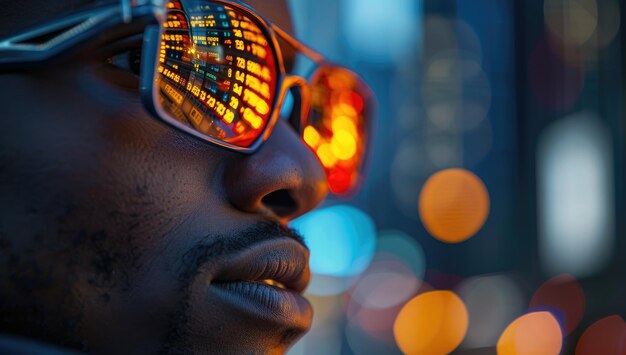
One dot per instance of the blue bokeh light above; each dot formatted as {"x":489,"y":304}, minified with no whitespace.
{"x":342,"y":240}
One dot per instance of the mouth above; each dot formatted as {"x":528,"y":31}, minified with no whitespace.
{"x":266,"y":283}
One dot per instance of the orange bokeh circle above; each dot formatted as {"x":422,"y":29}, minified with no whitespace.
{"x":454,"y":205}
{"x":532,"y":334}
{"x":432,"y":323}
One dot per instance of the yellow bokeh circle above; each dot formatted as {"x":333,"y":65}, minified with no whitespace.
{"x":537,"y":333}
{"x":454,"y":205}
{"x":431,"y":323}
{"x":343,"y":145}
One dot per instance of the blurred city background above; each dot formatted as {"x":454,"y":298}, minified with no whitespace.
{"x":493,"y":214}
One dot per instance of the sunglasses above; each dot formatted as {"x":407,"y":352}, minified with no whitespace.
{"x":215,"y":70}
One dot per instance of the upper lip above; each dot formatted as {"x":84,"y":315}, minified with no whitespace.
{"x":283,"y":260}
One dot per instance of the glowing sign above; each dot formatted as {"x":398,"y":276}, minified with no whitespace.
{"x":217,"y":71}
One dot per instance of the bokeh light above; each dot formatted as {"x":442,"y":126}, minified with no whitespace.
{"x":372,"y":305}
{"x":404,"y":247}
{"x":432,"y":323}
{"x":576,"y":200}
{"x":454,"y":205}
{"x":571,"y":21}
{"x":578,"y":29}
{"x":365,"y":22}
{"x":493,"y":302}
{"x":609,"y":21}
{"x":606,"y":336}
{"x":378,"y":323}
{"x":342,"y":240}
{"x":499,"y":90}
{"x":387,"y":283}
{"x":532,"y":334}
{"x":564,"y":297}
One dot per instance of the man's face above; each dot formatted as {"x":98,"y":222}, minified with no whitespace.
{"x":120,"y":234}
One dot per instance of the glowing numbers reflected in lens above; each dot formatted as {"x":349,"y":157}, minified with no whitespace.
{"x":533,"y":333}
{"x":454,"y":205}
{"x":217,"y":72}
{"x":339,"y":116}
{"x":432,"y":323}
{"x":342,"y":240}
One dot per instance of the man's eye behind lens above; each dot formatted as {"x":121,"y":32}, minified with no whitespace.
{"x":128,"y":60}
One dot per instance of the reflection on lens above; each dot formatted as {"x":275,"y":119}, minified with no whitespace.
{"x":216,"y":72}
{"x":336,"y":129}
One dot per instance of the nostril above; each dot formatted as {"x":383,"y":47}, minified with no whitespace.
{"x":280,"y":202}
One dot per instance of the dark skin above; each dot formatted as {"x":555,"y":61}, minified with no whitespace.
{"x":114,"y":225}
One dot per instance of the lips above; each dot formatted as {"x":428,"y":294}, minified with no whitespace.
{"x":266,"y":282}
{"x":283,"y":262}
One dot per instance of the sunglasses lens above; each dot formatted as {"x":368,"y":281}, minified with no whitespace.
{"x":337,"y":126}
{"x":216,"y":72}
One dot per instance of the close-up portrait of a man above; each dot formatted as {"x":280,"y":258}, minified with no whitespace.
{"x":306,"y":177}
{"x":147,"y":176}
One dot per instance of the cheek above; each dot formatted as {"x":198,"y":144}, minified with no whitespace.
{"x":119,"y":195}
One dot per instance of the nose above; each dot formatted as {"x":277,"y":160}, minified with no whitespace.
{"x":283,"y":179}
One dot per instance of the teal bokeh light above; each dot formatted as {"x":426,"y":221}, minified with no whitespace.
{"x":342,"y":240}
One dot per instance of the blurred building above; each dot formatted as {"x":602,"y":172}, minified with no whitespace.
{"x":523,"y":98}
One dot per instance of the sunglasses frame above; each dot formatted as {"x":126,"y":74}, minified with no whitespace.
{"x":26,"y":51}
{"x":90,"y":29}
{"x":284,"y":82}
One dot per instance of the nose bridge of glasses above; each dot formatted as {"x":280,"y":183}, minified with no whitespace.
{"x":299,"y":88}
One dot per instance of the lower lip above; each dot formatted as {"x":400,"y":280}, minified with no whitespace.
{"x":265,"y":302}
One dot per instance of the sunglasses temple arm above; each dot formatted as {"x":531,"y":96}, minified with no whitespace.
{"x":299,"y":46}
